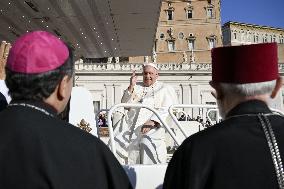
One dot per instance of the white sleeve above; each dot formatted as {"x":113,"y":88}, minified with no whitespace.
{"x":170,"y":98}
{"x":5,"y":91}
{"x":126,"y":98}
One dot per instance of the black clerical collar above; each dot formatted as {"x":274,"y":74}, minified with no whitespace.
{"x":249,"y":107}
{"x":37,"y":105}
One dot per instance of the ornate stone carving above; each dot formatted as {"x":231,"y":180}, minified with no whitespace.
{"x":116,"y":59}
{"x":184,"y":57}
{"x":154,"y":56}
{"x":108,"y":67}
{"x":109,"y":59}
{"x":84,"y":126}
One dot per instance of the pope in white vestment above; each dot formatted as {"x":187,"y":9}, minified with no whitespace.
{"x":140,"y":136}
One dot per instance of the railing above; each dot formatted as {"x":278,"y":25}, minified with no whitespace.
{"x":126,"y":105}
{"x":170,"y":110}
{"x":210,"y":109}
{"x":93,"y":67}
{"x":126,"y":66}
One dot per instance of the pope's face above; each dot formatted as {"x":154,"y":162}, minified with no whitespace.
{"x":150,"y":75}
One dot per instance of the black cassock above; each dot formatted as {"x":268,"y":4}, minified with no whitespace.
{"x":233,"y":154}
{"x":3,"y":102}
{"x":41,"y":151}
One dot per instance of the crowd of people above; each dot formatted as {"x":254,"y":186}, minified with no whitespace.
{"x":39,"y":150}
{"x":102,"y":121}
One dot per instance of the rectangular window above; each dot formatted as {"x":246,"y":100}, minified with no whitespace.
{"x":189,"y":14}
{"x":190,"y":44}
{"x":211,"y":43}
{"x":235,"y":35}
{"x":264,"y":39}
{"x":209,"y":13}
{"x":243,"y":36}
{"x":171,"y":46}
{"x":255,"y":39}
{"x":281,"y":40}
{"x":170,"y":14}
{"x":96,"y":106}
{"x":248,"y":37}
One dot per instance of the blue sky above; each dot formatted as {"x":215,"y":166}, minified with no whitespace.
{"x":260,"y":12}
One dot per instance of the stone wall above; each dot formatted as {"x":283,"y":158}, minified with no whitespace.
{"x":200,"y":27}
{"x":235,"y":33}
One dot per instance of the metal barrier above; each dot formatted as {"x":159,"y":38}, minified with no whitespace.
{"x":126,"y":105}
{"x":170,"y":110}
{"x":211,"y":108}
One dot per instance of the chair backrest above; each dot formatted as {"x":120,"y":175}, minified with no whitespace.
{"x":81,"y":107}
{"x":146,"y":176}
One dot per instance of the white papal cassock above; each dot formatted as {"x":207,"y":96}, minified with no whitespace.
{"x":133,"y":147}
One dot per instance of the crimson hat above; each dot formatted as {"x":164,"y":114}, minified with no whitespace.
{"x":245,"y":64}
{"x":37,"y":52}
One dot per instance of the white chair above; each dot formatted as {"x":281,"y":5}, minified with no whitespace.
{"x":146,"y":176}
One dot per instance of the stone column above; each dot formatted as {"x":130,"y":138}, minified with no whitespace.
{"x":116,"y":59}
{"x":117,"y":93}
{"x":195,"y":98}
{"x":186,"y":97}
{"x":109,"y":59}
{"x":146,"y":59}
{"x":109,"y":95}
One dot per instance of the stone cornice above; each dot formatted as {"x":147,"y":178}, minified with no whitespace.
{"x":251,"y":25}
{"x":164,"y":68}
{"x":129,"y":67}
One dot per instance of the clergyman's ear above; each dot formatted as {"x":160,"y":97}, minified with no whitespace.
{"x":62,"y":88}
{"x":217,"y":93}
{"x":278,"y":85}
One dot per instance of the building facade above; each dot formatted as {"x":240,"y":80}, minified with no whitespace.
{"x":235,"y":33}
{"x":107,"y":82}
{"x":187,"y":31}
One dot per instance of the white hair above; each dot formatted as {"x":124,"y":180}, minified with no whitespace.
{"x":248,"y":89}
{"x":151,"y":64}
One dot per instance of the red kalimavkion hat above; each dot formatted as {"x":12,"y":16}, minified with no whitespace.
{"x":37,"y":52}
{"x":245,"y":64}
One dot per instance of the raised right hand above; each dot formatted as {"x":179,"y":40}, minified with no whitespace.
{"x":133,"y":80}
{"x":4,"y":51}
